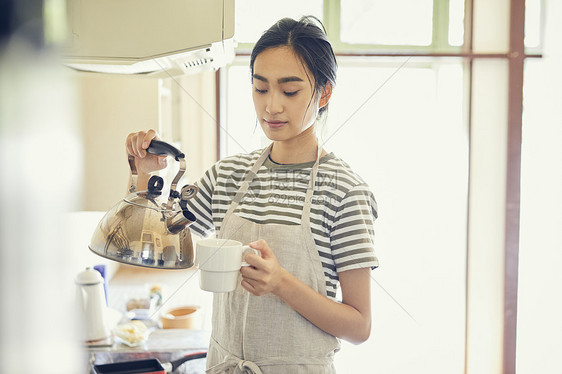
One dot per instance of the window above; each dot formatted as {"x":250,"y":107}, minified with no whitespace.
{"x":540,"y":258}
{"x":409,"y":115}
{"x":387,"y":22}
{"x":405,"y":107}
{"x":534,"y":22}
{"x":357,"y":26}
{"x":254,"y":16}
{"x":418,"y":292}
{"x":456,"y":22}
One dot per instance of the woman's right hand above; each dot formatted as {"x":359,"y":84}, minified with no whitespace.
{"x":136,"y":144}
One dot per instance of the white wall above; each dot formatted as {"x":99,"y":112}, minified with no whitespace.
{"x":111,"y":107}
{"x":181,"y":109}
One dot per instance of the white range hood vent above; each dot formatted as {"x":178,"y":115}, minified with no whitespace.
{"x":150,"y":38}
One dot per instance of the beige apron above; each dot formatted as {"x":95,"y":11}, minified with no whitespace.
{"x":262,"y":334}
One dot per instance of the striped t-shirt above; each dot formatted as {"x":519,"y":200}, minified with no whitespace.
{"x":342,"y":213}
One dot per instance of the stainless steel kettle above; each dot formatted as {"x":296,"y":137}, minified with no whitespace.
{"x":145,"y":228}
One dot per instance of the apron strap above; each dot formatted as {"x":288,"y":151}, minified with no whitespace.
{"x":305,"y":220}
{"x":249,"y":177}
{"x":254,"y":171}
{"x":241,"y":366}
{"x":245,"y":366}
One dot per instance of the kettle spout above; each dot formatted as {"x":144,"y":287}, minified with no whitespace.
{"x":180,"y":221}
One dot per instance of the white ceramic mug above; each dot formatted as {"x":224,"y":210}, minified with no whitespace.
{"x":219,"y":262}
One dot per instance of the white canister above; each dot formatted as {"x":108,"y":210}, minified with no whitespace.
{"x":92,"y":307}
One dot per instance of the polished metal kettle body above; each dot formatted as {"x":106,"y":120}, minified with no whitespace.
{"x":145,"y":228}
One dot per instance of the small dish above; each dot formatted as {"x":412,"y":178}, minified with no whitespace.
{"x":183,"y":317}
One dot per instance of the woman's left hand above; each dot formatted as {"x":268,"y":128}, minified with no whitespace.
{"x":264,"y":275}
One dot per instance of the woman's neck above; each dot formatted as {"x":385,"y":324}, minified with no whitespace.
{"x":297,"y":150}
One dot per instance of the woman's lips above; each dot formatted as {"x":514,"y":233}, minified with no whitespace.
{"x":274,"y":123}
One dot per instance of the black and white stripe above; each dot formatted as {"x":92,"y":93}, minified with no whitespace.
{"x":341,"y":218}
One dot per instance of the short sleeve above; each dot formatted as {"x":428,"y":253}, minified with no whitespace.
{"x":352,"y":235}
{"x":201,"y":204}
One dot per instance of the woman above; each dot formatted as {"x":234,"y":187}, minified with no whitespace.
{"x":309,"y":215}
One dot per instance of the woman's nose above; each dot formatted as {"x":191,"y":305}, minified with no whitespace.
{"x":273,"y":105}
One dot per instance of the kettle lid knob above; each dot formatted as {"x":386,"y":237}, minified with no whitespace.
{"x":155,"y":185}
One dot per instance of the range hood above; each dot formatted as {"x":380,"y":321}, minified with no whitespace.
{"x":153,"y":38}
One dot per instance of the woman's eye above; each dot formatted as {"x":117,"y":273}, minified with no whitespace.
{"x":260,"y":91}
{"x":293,"y":93}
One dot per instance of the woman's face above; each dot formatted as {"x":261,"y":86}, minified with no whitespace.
{"x":282,"y":93}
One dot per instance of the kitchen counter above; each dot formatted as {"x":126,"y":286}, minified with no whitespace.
{"x":165,"y":345}
{"x":180,"y":287}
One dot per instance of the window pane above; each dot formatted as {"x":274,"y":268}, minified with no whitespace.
{"x":415,"y":158}
{"x":456,"y":22}
{"x":533,"y":23}
{"x":253,"y":17}
{"x":539,"y":305}
{"x":417,"y":166}
{"x":397,"y":22}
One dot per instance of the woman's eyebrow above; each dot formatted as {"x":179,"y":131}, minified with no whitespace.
{"x":280,"y":80}
{"x":289,"y":79}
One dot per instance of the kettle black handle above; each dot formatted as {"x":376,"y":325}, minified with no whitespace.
{"x":160,"y":148}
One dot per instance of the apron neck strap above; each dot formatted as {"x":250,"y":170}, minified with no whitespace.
{"x":253,"y":172}
{"x":310,"y":190}
{"x":248,"y":179}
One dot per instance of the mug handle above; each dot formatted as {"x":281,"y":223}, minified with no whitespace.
{"x":245,"y":250}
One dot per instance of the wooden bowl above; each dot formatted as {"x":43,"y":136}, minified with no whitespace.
{"x":180,"y":318}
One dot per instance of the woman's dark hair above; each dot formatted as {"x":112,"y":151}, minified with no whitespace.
{"x":307,"y":37}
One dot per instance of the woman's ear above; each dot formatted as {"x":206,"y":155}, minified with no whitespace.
{"x":326,"y":94}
